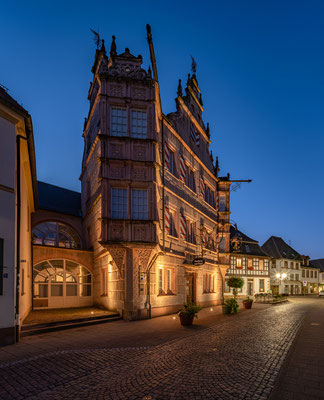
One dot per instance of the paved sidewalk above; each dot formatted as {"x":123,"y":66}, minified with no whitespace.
{"x":63,"y":314}
{"x":119,"y":334}
{"x":302,"y":375}
{"x":235,"y":358}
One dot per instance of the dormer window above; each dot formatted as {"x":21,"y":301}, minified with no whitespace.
{"x":118,"y":122}
{"x":139,"y":124}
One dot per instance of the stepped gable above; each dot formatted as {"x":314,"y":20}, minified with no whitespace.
{"x":188,"y":119}
{"x":124,"y":65}
{"x":276,"y":247}
{"x":248,"y":246}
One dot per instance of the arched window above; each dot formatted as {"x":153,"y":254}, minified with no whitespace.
{"x":56,"y":234}
{"x":58,"y":278}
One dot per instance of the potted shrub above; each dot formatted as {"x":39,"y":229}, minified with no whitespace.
{"x":188,"y":313}
{"x":227,"y":309}
{"x":248,"y":303}
{"x":235,"y":282}
{"x":230,"y":306}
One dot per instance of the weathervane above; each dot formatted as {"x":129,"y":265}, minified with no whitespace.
{"x":96,"y":38}
{"x":193,"y":65}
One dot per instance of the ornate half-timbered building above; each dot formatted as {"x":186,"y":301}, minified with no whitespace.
{"x":250,"y":262}
{"x":155,"y":212}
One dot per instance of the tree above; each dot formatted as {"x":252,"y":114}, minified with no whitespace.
{"x":235,"y":282}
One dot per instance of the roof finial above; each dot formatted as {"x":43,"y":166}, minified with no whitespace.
{"x":179,"y":92}
{"x":96,"y":38}
{"x":217,"y":167}
{"x":103,"y":49}
{"x":113,"y":47}
{"x":149,"y":71}
{"x":188,"y":80}
{"x":207,"y":130}
{"x":193,"y":65}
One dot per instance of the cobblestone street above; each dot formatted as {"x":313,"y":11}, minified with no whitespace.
{"x":239,"y":357}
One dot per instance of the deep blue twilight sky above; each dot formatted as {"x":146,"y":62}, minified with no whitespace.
{"x":260,"y":69}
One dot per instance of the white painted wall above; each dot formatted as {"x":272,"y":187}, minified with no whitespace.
{"x":7,"y":219}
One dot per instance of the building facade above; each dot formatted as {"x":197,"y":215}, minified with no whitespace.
{"x":150,"y":230}
{"x":290,"y":272}
{"x":310,"y":276}
{"x":18,"y":196}
{"x":150,"y":193}
{"x":319,"y":264}
{"x":249,"y":262}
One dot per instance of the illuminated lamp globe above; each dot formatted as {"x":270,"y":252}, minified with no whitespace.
{"x":278,"y":275}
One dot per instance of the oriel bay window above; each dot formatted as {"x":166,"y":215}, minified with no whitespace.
{"x":118,"y":121}
{"x":119,"y":124}
{"x":138,"y":204}
{"x":138,"y":124}
{"x":119,"y":203}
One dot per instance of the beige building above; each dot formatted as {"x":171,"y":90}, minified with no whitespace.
{"x":290,"y":272}
{"x":310,"y":276}
{"x":18,"y":194}
{"x":319,"y":264}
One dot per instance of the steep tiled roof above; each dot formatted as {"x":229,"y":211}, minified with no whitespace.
{"x":58,"y":199}
{"x":248,"y":246}
{"x":276,"y":247}
{"x":319,"y":263}
{"x":9,"y":101}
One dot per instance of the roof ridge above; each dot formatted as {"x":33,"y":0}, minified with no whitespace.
{"x":272,"y":237}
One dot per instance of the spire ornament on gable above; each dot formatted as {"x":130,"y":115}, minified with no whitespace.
{"x":193,"y":65}
{"x":208,"y":131}
{"x":113,"y":47}
{"x":103,"y":49}
{"x":217,"y":169}
{"x":179,"y":92}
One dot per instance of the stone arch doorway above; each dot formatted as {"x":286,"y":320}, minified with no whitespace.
{"x":61,"y":283}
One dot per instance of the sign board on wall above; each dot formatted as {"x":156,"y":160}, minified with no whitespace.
{"x":198,"y":261}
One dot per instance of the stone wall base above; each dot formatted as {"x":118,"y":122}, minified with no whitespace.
{"x":210,"y":303}
{"x":7,"y":336}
